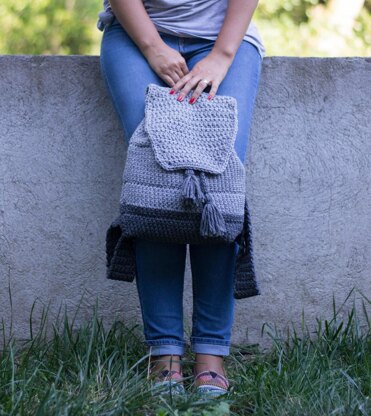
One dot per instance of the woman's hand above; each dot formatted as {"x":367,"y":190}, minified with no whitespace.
{"x":167,"y":62}
{"x":213,"y":68}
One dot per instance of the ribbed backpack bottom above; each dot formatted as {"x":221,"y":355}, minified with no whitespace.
{"x":120,"y":253}
{"x":172,"y":226}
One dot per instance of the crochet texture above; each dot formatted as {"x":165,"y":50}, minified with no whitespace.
{"x":184,"y":183}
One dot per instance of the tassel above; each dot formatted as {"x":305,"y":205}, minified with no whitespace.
{"x":191,"y":191}
{"x":212,"y":221}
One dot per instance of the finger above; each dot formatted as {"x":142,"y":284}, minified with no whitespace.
{"x":181,"y":82}
{"x":174,"y":76}
{"x":213,"y":90}
{"x":184,"y":68}
{"x":188,"y":86}
{"x":201,"y":86}
{"x":168,"y":80}
{"x":179,"y":74}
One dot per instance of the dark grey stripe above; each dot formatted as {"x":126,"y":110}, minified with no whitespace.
{"x":176,"y":215}
{"x":173,"y":226}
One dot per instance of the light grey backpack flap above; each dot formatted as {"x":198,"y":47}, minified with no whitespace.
{"x":197,"y":136}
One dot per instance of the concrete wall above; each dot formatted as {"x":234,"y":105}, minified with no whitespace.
{"x":61,"y":158}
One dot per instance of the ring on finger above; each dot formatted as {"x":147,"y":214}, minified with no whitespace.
{"x":206,"y":81}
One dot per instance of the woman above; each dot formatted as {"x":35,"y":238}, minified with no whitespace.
{"x":192,"y":46}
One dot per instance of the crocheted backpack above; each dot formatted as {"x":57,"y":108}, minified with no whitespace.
{"x":183,"y":180}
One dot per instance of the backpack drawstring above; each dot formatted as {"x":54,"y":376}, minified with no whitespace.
{"x":191,"y":190}
{"x":212,"y":221}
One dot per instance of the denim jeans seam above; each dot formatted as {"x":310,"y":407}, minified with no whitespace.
{"x":194,"y":311}
{"x":209,"y":341}
{"x":255,"y":89}
{"x":258,"y":76}
{"x":145,"y":327}
{"x":165,"y":342}
{"x":112,"y":96}
{"x":167,"y":349}
{"x":210,"y":349}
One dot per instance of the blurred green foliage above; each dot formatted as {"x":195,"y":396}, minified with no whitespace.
{"x":288,"y":27}
{"x":48,"y":27}
{"x":315,"y":27}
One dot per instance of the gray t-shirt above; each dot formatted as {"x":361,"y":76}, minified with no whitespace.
{"x":187,"y":18}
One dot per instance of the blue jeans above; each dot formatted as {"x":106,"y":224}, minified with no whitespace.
{"x":160,"y":266}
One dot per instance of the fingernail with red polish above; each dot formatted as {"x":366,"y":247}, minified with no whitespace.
{"x":172,"y":91}
{"x":180,"y":98}
{"x":192,"y":100}
{"x":209,"y":97}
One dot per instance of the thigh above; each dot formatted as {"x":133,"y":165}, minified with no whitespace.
{"x":241,"y":82}
{"x":126,"y":74}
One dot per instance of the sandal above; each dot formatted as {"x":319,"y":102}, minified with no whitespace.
{"x":172,"y":379}
{"x":210,"y":383}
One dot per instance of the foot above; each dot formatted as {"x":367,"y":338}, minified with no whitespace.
{"x":210,"y":378}
{"x":210,"y":383}
{"x":165,"y":362}
{"x":205,"y":362}
{"x":169,"y":382}
{"x":167,"y":372}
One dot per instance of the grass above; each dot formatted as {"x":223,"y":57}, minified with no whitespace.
{"x":94,"y":370}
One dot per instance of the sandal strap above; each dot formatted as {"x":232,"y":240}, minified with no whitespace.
{"x":212,"y":378}
{"x":169,"y":375}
